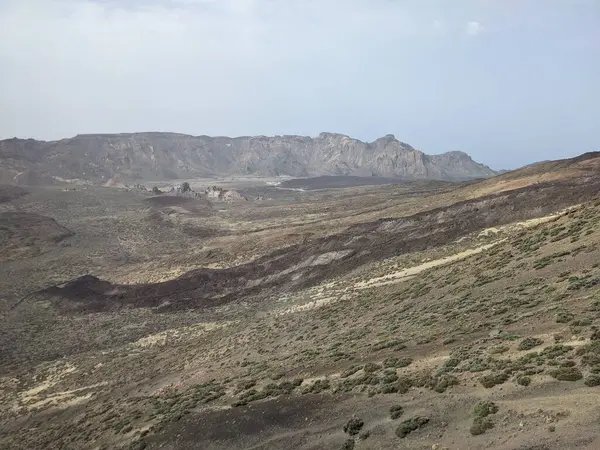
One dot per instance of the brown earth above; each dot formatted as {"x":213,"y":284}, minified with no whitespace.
{"x":258,"y":330}
{"x":9,"y":192}
{"x":24,"y":234}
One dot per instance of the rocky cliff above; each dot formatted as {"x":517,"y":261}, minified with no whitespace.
{"x":99,"y":158}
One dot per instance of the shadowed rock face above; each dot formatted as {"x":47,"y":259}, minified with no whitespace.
{"x":102,"y":157}
{"x":24,"y":234}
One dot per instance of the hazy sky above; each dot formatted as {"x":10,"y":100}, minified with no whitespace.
{"x":507,"y":81}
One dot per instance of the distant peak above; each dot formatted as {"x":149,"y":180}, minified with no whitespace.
{"x":391,"y":139}
{"x":130,"y":135}
{"x":458,"y":153}
{"x":326,"y":134}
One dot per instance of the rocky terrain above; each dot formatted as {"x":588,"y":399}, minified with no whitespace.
{"x":114,"y":159}
{"x":417,"y":315}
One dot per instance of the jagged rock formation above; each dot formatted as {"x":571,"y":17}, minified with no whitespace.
{"x":225,"y":195}
{"x":159,"y":156}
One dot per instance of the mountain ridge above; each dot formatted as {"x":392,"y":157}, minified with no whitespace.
{"x":99,"y":158}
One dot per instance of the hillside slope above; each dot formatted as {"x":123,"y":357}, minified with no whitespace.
{"x":159,"y":156}
{"x":497,"y":350}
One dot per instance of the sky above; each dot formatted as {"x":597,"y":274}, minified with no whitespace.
{"x":508,"y":81}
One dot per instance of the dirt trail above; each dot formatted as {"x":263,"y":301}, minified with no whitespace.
{"x":324,"y":298}
{"x":404,"y":274}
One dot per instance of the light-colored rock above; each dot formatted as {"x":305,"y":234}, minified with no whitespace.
{"x":161,"y":156}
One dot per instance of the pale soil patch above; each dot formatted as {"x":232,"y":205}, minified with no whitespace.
{"x":54,"y":375}
{"x":161,"y":339}
{"x":306,"y":306}
{"x":66,"y":399}
{"x":36,"y":396}
{"x":60,"y":401}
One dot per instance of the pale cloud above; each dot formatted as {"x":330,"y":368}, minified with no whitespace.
{"x":474,"y":28}
{"x":361,"y":67}
{"x":126,"y":64}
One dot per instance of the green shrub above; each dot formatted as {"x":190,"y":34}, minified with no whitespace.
{"x":584,"y":322}
{"x":401,"y":386}
{"x":485,"y":408}
{"x":592,"y":380}
{"x":410,"y":425}
{"x":396,"y":411}
{"x":251,"y":396}
{"x":564,"y":317}
{"x":478,"y":365}
{"x":481,"y":425}
{"x":402,"y":361}
{"x":529,"y":343}
{"x":353,"y":426}
{"x":566,"y":374}
{"x":317,"y":387}
{"x":350,"y":371}
{"x":498,"y":349}
{"x":391,"y":388}
{"x":556,"y":350}
{"x":245,"y":385}
{"x":444,"y":382}
{"x":371,"y":367}
{"x":348,"y":444}
{"x":523,"y":380}
{"x":493,"y":379}
{"x":395,"y":344}
{"x":389,"y":378}
{"x":452,"y":362}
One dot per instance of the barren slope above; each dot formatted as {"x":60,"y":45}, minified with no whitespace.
{"x":512,"y":324}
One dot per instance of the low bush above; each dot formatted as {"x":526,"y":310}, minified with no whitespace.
{"x":529,"y":343}
{"x":485,"y":408}
{"x":481,"y":425}
{"x":353,"y":426}
{"x":402,"y":361}
{"x":567,"y":374}
{"x":493,"y":379}
{"x":348,"y":444}
{"x":371,"y":367}
{"x":317,"y":387}
{"x":396,"y":411}
{"x":592,"y":380}
{"x":410,"y":425}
